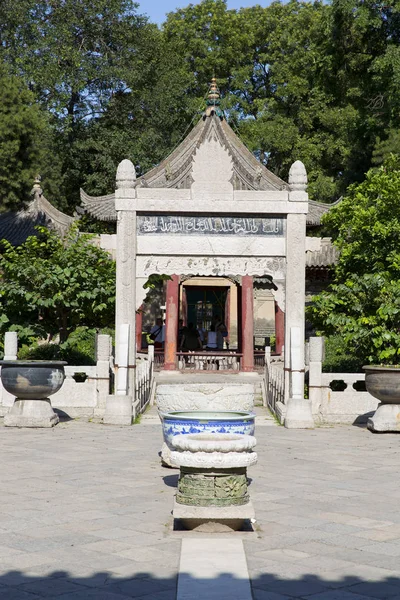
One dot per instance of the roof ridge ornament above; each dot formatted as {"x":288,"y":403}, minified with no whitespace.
{"x":213,"y":101}
{"x":36,"y":190}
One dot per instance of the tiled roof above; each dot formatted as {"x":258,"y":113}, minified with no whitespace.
{"x":325,"y":255}
{"x":16,"y":227}
{"x":316,"y":210}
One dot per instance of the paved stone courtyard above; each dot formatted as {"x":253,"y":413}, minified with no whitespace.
{"x":86,"y":514}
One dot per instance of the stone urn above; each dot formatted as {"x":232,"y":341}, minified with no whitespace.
{"x":32,"y":382}
{"x":202,"y":421}
{"x":383,"y":382}
{"x":212,"y":484}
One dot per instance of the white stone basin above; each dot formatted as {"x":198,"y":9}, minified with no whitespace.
{"x":205,"y":396}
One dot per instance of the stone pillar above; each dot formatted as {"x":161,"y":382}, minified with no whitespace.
{"x":279,"y":329}
{"x":171,"y":325}
{"x":139,"y":327}
{"x":125,"y":310}
{"x":295,"y":269}
{"x":247,"y":323}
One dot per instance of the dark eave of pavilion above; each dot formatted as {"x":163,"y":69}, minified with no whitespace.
{"x":16,"y":227}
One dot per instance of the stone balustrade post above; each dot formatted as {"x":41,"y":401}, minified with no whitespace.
{"x":316,"y":353}
{"x":10,"y":345}
{"x":298,"y":413}
{"x":150,"y":353}
{"x":102,"y":370}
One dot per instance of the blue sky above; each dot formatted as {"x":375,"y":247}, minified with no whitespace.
{"x":157,"y":9}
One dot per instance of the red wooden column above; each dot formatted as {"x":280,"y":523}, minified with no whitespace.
{"x":139,"y":327}
{"x":279,"y":329}
{"x":171,"y":324}
{"x":247,"y":323}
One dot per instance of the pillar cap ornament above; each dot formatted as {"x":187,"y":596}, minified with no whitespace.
{"x":298,"y":177}
{"x":126,"y":175}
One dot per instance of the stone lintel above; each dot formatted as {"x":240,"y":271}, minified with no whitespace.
{"x":212,"y":206}
{"x":220,"y":245}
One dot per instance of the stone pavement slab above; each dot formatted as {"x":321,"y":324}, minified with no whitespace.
{"x":85,"y":512}
{"x":213,"y":568}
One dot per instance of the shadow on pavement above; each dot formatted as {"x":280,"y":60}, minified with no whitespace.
{"x":62,"y":585}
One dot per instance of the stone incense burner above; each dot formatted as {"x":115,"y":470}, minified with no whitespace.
{"x":383,"y":382}
{"x":32,"y":382}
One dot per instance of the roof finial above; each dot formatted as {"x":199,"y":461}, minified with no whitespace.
{"x":37,"y":187}
{"x":213,"y":101}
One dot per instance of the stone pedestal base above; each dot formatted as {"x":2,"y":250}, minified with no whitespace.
{"x":166,"y":459}
{"x":118,"y":410}
{"x":233,"y":517}
{"x":385,"y":418}
{"x":299,"y":414}
{"x":31,"y":413}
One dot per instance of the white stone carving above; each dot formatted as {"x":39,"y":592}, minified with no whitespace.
{"x":210,"y":460}
{"x":212,"y":171}
{"x":205,"y":396}
{"x":219,"y":450}
{"x":211,"y":265}
{"x":280,"y":294}
{"x":215,"y":442}
{"x":298,"y":177}
{"x":126,"y":174}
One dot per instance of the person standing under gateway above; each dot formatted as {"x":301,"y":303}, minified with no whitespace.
{"x":157,"y":334}
{"x":221,"y":331}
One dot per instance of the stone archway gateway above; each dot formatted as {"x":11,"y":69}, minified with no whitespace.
{"x":211,"y":209}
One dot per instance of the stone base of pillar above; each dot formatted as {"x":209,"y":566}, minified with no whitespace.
{"x":385,"y":418}
{"x":31,"y":413}
{"x":232,"y":517}
{"x":118,"y":410}
{"x":299,"y":414}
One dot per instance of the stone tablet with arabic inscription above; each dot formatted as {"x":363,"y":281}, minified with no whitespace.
{"x":176,"y":225}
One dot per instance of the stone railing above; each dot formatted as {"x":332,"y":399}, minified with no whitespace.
{"x":274,"y":385}
{"x":209,"y":361}
{"x":336,"y":397}
{"x":144,"y":382}
{"x":85,"y":388}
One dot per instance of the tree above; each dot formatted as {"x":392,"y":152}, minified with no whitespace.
{"x":59,"y":284}
{"x":363,"y":304}
{"x":75,"y":56}
{"x":21,"y":127}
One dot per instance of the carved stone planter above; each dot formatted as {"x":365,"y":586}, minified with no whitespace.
{"x":194,"y":421}
{"x":383,"y":382}
{"x":32,"y":382}
{"x":212,"y":485}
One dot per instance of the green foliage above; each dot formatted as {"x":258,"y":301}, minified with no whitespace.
{"x":363,"y":305}
{"x":79,"y":349}
{"x":337,"y":360}
{"x":75,"y":56}
{"x":21,"y":123}
{"x":61,"y":284}
{"x":313,"y":81}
